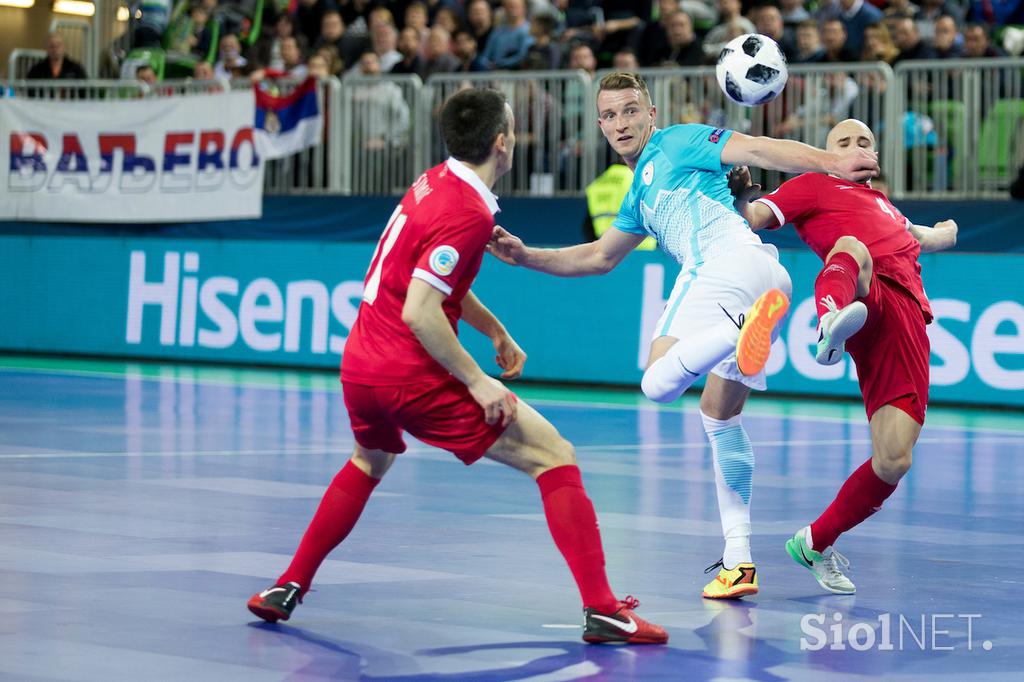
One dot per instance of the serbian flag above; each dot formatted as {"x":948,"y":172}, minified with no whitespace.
{"x":288,"y":124}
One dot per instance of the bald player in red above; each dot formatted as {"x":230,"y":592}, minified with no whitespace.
{"x":872,"y":303}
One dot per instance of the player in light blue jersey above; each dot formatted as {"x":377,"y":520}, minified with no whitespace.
{"x":680,"y":196}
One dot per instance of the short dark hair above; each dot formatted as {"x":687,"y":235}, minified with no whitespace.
{"x":546,"y":22}
{"x":471,"y":119}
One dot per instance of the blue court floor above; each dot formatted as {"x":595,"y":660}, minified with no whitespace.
{"x":141,"y":505}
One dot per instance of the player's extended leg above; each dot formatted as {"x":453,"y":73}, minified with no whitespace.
{"x":337,"y":514}
{"x":532,"y":445}
{"x":733,"y":459}
{"x":893,"y":435}
{"x":845,"y":277}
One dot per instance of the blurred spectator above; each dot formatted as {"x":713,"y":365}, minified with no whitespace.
{"x":900,"y":9}
{"x":997,"y":12}
{"x":332,"y":32}
{"x":945,"y":41}
{"x":448,"y":19}
{"x":57,"y":64}
{"x":268,"y":48}
{"x":383,"y":43}
{"x":978,"y":44}
{"x":545,"y":53}
{"x":823,"y":106}
{"x":878,"y":45}
{"x":230,"y":62}
{"x":580,"y":19}
{"x":626,"y":60}
{"x":203,"y":71}
{"x":581,"y":58}
{"x":355,"y":14}
{"x":381,"y":123}
{"x":856,"y":15}
{"x":793,"y":14}
{"x":146,"y":74}
{"x":654,"y":38}
{"x":467,"y":53}
{"x":309,"y":18}
{"x":189,"y":33}
{"x":153,"y":16}
{"x":416,"y":17}
{"x":480,"y":19}
{"x":409,"y":48}
{"x":809,"y":49}
{"x":622,"y":24}
{"x":1017,"y":188}
{"x":317,"y":67}
{"x":684,"y":46}
{"x":508,"y":43}
{"x":293,"y":62}
{"x":833,"y":37}
{"x":909,"y":41}
{"x":439,"y":57}
{"x":728,"y":11}
{"x":768,"y":21}
{"x":930,"y":12}
{"x":330,"y":55}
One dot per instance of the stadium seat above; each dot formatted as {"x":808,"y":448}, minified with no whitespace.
{"x":1001,"y":143}
{"x":153,"y":56}
{"x":949,"y":117}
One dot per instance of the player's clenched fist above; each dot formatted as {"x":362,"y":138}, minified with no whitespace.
{"x":498,"y":402}
{"x":506,"y":247}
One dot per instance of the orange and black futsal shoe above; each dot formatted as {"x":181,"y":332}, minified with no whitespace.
{"x":277,"y":602}
{"x":755,"y":342}
{"x":622,"y":626}
{"x":731,"y":583}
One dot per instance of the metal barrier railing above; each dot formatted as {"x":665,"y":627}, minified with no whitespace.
{"x":377,"y":143}
{"x":21,"y":60}
{"x":556,"y":133}
{"x":959,"y":127}
{"x":944,"y":128}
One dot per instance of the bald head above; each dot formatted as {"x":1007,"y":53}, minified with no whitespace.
{"x":848,"y":135}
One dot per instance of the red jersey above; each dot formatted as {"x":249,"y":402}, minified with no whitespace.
{"x":437,"y":233}
{"x":824,"y":208}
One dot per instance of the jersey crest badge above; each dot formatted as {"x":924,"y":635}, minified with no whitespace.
{"x":648,"y":173}
{"x":443,"y":260}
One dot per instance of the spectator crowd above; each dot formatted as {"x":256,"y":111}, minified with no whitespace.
{"x":335,"y":37}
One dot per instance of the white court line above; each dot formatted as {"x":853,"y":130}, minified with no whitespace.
{"x":751,"y":412}
{"x":416,"y":451}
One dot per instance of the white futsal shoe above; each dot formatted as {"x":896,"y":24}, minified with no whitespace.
{"x":835,"y":327}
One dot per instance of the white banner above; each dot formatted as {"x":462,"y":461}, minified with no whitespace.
{"x":190,"y":157}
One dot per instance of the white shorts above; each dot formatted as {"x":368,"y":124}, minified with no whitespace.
{"x":733,"y":282}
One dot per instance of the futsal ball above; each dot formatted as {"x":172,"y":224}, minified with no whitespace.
{"x":752,"y":69}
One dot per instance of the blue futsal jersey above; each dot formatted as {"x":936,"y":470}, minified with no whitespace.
{"x":680,"y":196}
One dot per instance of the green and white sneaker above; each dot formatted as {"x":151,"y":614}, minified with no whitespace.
{"x":827,"y":566}
{"x":835,"y":327}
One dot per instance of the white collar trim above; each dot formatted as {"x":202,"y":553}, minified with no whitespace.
{"x":463,"y":172}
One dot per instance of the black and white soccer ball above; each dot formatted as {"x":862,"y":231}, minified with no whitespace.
{"x":752,"y":69}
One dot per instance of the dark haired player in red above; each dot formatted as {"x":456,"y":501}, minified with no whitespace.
{"x":404,"y":370}
{"x":871,"y":301}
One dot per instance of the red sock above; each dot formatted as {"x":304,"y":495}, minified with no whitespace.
{"x":860,"y":497}
{"x":573,"y":525}
{"x":837,"y":279}
{"x":334,"y":519}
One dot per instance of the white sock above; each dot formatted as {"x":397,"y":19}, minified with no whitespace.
{"x":733,"y":458}
{"x":688,"y":360}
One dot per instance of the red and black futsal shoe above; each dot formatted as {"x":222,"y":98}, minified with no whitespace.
{"x":622,"y":626}
{"x":277,"y":602}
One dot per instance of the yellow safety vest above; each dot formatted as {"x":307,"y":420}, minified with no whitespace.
{"x":604,"y":197}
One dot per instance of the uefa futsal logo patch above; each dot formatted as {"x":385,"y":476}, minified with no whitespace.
{"x":716,"y":135}
{"x":443,"y":260}
{"x":648,"y":173}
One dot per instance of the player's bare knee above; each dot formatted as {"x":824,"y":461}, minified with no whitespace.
{"x":894,"y":465}
{"x":373,"y":463}
{"x":558,"y":453}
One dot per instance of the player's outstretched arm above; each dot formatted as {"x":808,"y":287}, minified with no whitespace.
{"x":940,"y":237}
{"x":790,"y":156}
{"x":424,"y":315}
{"x":592,"y":258}
{"x":745,"y":191}
{"x":509,"y":356}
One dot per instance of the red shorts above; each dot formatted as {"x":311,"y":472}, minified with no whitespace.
{"x":892,"y":351}
{"x":442,"y":414}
